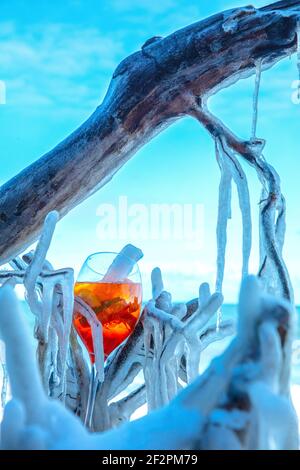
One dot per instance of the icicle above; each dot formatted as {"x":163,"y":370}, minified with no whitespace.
{"x":281,"y":225}
{"x":255,"y":99}
{"x":147,"y":368}
{"x":204,"y":295}
{"x":231,"y":169}
{"x":53,"y":341}
{"x":68,"y":306}
{"x":262,"y":251}
{"x":4,"y":385}
{"x":171,"y":371}
{"x":157,"y":283}
{"x":46,"y":311}
{"x":224,"y":213}
{"x":298,"y":56}
{"x":240,"y":180}
{"x":97,"y":335}
{"x":35,"y":268}
{"x":151,"y":367}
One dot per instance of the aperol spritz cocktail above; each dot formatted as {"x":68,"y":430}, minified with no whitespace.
{"x":117,"y":306}
{"x":109,"y":284}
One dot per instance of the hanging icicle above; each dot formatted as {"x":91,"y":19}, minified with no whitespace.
{"x":4,"y":385}
{"x":240,"y":179}
{"x":224,"y":213}
{"x":298,"y":56}
{"x":231,"y":170}
{"x":255,"y":99}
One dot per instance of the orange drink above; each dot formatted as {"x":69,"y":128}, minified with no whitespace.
{"x":116,"y":305}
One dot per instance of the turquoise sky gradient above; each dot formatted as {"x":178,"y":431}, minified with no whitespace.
{"x":57,"y":58}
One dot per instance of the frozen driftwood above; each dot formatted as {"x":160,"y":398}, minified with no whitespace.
{"x":148,"y":91}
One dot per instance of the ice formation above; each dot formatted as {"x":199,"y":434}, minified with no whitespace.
{"x":298,"y":56}
{"x":255,"y":99}
{"x":239,"y":402}
{"x":166,"y":344}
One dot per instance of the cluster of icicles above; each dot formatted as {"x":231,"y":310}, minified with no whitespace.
{"x":166,"y":346}
{"x":272,"y":268}
{"x":49,"y":294}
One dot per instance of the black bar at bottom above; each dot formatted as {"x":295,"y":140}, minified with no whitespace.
{"x":134,"y":459}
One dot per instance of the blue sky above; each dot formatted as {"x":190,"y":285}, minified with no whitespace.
{"x":57,"y":58}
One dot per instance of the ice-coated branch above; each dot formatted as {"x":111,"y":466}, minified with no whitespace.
{"x":163,"y":317}
{"x":173,"y":335}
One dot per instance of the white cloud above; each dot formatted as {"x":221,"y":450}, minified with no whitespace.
{"x":56,"y":63}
